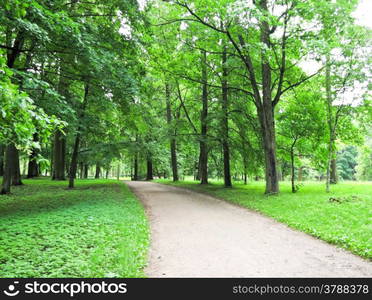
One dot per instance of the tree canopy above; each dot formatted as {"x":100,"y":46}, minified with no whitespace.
{"x":239,"y":90}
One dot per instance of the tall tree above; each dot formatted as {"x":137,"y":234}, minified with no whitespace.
{"x":225,"y":121}
{"x":173,"y":145}
{"x":203,"y":154}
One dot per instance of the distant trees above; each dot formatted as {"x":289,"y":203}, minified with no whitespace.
{"x":346,"y":163}
{"x":300,"y":127}
{"x":364,"y":158}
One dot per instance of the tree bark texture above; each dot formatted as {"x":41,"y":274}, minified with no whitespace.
{"x":203,"y":159}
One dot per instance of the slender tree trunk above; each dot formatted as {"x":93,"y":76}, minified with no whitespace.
{"x":86,"y":168}
{"x":245,"y":165}
{"x":75,"y":153}
{"x":149,"y":175}
{"x":73,"y":165}
{"x":280,"y":173}
{"x":333,"y":176}
{"x":33,"y":167}
{"x":173,"y":145}
{"x":330,"y":120}
{"x":292,"y":153}
{"x":98,"y":171}
{"x":81,"y":169}
{"x":118,"y":172}
{"x":59,"y":157}
{"x":203,"y":159}
{"x":10,"y":156}
{"x":292,"y":172}
{"x":25,"y":168}
{"x":60,"y":163}
{"x":2,"y":154}
{"x":135,"y":167}
{"x":225,"y":122}
{"x":328,"y":170}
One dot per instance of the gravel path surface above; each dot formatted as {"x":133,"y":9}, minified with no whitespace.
{"x":195,"y":235}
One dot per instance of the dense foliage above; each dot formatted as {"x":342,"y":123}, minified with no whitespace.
{"x":209,"y":89}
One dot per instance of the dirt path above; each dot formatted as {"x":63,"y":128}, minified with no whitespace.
{"x":194,"y":235}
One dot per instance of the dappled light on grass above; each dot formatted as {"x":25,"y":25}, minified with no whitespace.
{"x":96,"y":230}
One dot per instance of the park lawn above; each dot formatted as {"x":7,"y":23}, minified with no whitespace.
{"x":98,"y":229}
{"x":347,"y":224}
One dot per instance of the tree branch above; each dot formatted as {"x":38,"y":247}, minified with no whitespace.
{"x":301,"y":81}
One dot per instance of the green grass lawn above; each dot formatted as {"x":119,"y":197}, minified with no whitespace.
{"x":347,"y":224}
{"x":99,"y":229}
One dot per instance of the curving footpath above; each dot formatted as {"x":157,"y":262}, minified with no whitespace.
{"x":195,"y":235}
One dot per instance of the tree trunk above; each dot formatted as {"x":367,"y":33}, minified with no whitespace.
{"x":59,"y":157}
{"x":11,"y":169}
{"x":98,"y":171}
{"x":203,"y":159}
{"x":75,"y":153}
{"x":33,"y":167}
{"x":16,"y":178}
{"x":107,"y":173}
{"x":86,"y":168}
{"x":81,"y":169}
{"x":135,"y":175}
{"x":268,"y":141}
{"x":10,"y":155}
{"x":292,"y":172}
{"x":333,"y":175}
{"x":225,"y":122}
{"x":266,"y":112}
{"x":245,"y":165}
{"x":13,"y":54}
{"x":118,"y":172}
{"x":73,"y":165}
{"x":149,"y":175}
{"x":12,"y":172}
{"x":173,"y":145}
{"x":330,"y":120}
{"x":280,"y":173}
{"x":2,"y":154}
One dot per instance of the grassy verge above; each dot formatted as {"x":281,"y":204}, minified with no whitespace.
{"x":98,"y":229}
{"x":347,"y":224}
